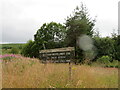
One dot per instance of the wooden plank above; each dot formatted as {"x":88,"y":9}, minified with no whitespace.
{"x":57,"y":54}
{"x":57,"y":50}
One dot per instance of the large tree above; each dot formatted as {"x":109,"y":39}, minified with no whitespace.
{"x":50,"y":35}
{"x":77,"y":24}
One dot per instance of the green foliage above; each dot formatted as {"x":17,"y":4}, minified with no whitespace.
{"x":105,"y":46}
{"x":107,"y":61}
{"x":30,"y":49}
{"x":14,"y":50}
{"x":55,"y":35}
{"x":116,"y":47}
{"x":4,"y":51}
{"x":50,"y":35}
{"x":10,"y":46}
{"x":79,"y":23}
{"x":108,"y":46}
{"x":114,"y":63}
{"x":27,"y":49}
{"x":104,"y":59}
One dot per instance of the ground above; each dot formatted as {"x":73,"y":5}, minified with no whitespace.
{"x":22,"y":72}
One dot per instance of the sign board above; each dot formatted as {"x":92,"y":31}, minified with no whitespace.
{"x":57,"y":55}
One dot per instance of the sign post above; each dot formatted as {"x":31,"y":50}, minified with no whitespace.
{"x":59,"y":55}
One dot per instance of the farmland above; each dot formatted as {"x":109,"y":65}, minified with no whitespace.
{"x":23,"y":72}
{"x":6,"y":48}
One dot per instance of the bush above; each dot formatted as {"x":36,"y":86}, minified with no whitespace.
{"x":114,"y":63}
{"x":14,"y":50}
{"x":104,"y":59}
{"x":30,"y":49}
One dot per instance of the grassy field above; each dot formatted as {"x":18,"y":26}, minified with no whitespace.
{"x":23,"y":72}
{"x":11,"y":45}
{"x":6,"y":48}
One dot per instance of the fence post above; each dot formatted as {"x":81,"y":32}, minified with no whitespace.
{"x":70,"y":71}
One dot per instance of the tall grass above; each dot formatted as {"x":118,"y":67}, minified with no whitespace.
{"x":30,"y":73}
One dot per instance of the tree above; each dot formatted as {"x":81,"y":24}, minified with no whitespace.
{"x":105,"y":46}
{"x":116,"y":39}
{"x":50,"y":35}
{"x":28,"y":50}
{"x":77,"y":24}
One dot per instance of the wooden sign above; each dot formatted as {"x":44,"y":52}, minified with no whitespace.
{"x":57,"y":55}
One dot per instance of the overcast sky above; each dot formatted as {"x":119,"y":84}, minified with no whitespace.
{"x":22,"y":18}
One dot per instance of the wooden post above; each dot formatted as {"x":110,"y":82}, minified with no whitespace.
{"x":70,"y":71}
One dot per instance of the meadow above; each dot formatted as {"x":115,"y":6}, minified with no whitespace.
{"x":23,"y":72}
{"x":7,"y":48}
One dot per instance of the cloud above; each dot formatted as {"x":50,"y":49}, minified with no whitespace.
{"x":22,"y":18}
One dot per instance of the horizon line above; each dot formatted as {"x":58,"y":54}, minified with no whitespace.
{"x":12,"y":42}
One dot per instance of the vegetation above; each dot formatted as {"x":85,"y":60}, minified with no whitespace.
{"x":24,"y":72}
{"x":11,"y":48}
{"x":105,"y":46}
{"x":30,"y":49}
{"x":50,"y":35}
{"x":14,"y":50}
{"x":97,"y":56}
{"x":78,"y":24}
{"x":55,"y":35}
{"x":106,"y":61}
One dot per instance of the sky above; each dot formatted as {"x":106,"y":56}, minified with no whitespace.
{"x":119,"y":18}
{"x":20,"y":19}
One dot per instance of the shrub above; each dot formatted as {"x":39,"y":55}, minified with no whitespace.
{"x":107,"y":61}
{"x":114,"y":63}
{"x":30,"y":49}
{"x":104,"y":59}
{"x":14,"y":50}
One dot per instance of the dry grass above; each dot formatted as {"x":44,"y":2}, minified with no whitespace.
{"x":29,"y":73}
